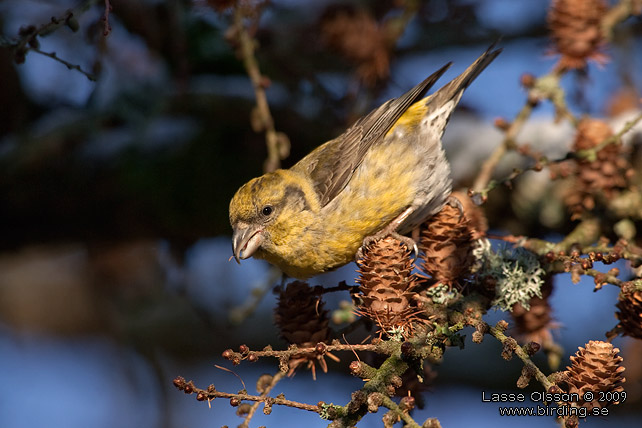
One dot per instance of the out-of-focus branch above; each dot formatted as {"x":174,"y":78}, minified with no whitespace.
{"x":284,"y":355}
{"x":488,"y":167}
{"x":585,"y":233}
{"x":401,"y":412}
{"x":27,"y":39}
{"x":618,"y":13}
{"x":69,"y":65}
{"x":105,"y":18}
{"x":240,"y":313}
{"x":498,"y":332}
{"x":591,"y":154}
{"x":278,"y":144}
{"x":264,"y":393}
{"x":543,"y":87}
{"x":210,"y":393}
{"x":396,"y":26}
{"x":484,"y":182}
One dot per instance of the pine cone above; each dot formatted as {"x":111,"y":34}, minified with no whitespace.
{"x":221,"y":5}
{"x":624,"y":100}
{"x":595,"y":368}
{"x":474,"y":213}
{"x":355,"y":34}
{"x":576,"y":31}
{"x":630,"y":314}
{"x":535,"y":324}
{"x":412,"y":386}
{"x":303,"y":322}
{"x":448,"y":240}
{"x":604,"y":176}
{"x":385,"y":284}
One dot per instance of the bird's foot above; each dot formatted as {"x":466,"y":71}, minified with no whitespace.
{"x":456,"y":203}
{"x":368,"y":240}
{"x":390,"y":230}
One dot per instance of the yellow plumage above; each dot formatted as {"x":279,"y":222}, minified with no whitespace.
{"x":412,"y":117}
{"x":386,"y":174}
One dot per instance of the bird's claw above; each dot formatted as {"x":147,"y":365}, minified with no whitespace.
{"x":456,"y":203}
{"x":368,"y":240}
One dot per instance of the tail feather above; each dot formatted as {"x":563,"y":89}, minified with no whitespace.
{"x":455,"y":88}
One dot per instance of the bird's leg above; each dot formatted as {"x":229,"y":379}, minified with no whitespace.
{"x":390,"y":230}
{"x":416,"y":234}
{"x":456,"y":203}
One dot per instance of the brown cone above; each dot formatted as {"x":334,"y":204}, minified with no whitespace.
{"x":603,"y":176}
{"x":355,"y":34}
{"x":630,"y":314}
{"x":303,"y":322}
{"x":624,"y":100}
{"x":596,"y":369}
{"x":535,"y":324}
{"x":386,"y":283}
{"x":448,"y":239}
{"x":576,"y":31}
{"x":474,"y":213}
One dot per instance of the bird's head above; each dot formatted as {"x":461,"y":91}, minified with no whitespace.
{"x":261,"y":210}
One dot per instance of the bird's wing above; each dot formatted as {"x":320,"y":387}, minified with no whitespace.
{"x":331,"y":165}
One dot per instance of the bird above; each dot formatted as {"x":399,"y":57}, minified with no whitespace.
{"x":385,"y":175}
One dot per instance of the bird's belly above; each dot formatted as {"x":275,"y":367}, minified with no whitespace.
{"x":382,"y":187}
{"x":392,"y":177}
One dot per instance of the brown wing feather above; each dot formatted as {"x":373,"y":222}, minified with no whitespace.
{"x":331,"y":165}
{"x":455,"y":87}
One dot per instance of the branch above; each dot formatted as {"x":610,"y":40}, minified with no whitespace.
{"x":585,"y":233}
{"x":105,"y":18}
{"x":401,"y":413}
{"x":618,"y":13}
{"x":591,"y":154}
{"x":544,"y":87}
{"x":211,"y":393}
{"x":69,"y":65}
{"x":27,"y":39}
{"x":320,"y":349}
{"x":278,"y":144}
{"x":380,"y":383}
{"x":498,"y":332}
{"x":240,"y":313}
{"x":273,"y":381}
{"x":628,"y":206}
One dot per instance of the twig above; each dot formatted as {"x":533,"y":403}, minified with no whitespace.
{"x":591,"y":153}
{"x":585,"y":233}
{"x":278,"y":145}
{"x":275,"y":379}
{"x":239,"y":313}
{"x":69,"y":65}
{"x":378,"y":382}
{"x":541,"y":88}
{"x":320,"y":349}
{"x":602,"y":278}
{"x":211,"y":393}
{"x":408,"y":420}
{"x":488,"y":167}
{"x":105,"y":18}
{"x":27,"y":39}
{"x":498,"y":332}
{"x":616,"y":14}
{"x":485,"y":175}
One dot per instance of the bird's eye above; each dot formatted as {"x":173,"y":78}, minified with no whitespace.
{"x":267,"y":210}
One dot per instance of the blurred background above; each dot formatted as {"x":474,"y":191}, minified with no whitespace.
{"x":117,"y":167}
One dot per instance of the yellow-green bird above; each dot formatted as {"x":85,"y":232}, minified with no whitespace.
{"x":385,"y":175}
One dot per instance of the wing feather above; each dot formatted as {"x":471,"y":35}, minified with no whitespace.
{"x":331,"y":165}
